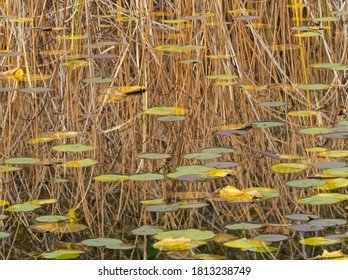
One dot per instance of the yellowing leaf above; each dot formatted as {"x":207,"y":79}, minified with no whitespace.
{"x":72,"y":216}
{"x":215,"y":172}
{"x":180,"y":243}
{"x":329,"y":255}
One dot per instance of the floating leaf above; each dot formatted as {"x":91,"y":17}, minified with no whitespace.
{"x":339,"y":172}
{"x":146,"y":177}
{"x":178,"y":243}
{"x":270,"y":237}
{"x":335,"y":153}
{"x":3,"y":202}
{"x":146,"y":230}
{"x":314,"y":87}
{"x":223,"y":77}
{"x":202,"y":156}
{"x":325,"y":19}
{"x":3,"y":217}
{"x":4,"y":234}
{"x":72,"y":37}
{"x":316,"y":149}
{"x":307,"y":34}
{"x":199,"y":16}
{"x":188,"y":205}
{"x":272,"y":104}
{"x":218,"y":173}
{"x":192,"y":234}
{"x":59,"y":227}
{"x":318,"y":241}
{"x":174,"y":21}
{"x":36,"y":89}
{"x":42,"y":201}
{"x":302,"y":217}
{"x":307,"y":228}
{"x":154,"y":156}
{"x":22,"y":208}
{"x":51,"y":218}
{"x":261,"y":249}
{"x":267,"y":124}
{"x":153,"y":201}
{"x":328,"y":165}
{"x":303,"y":113}
{"x":80,"y":163}
{"x":265,"y":192}
{"x":62,"y":254}
{"x":99,"y":80}
{"x":171,"y":118}
{"x":317,"y":200}
{"x":76,"y":63}
{"x":190,"y":61}
{"x":325,"y":65}
{"x":218,"y":150}
{"x":305,"y":183}
{"x":21,"y":161}
{"x":231,"y":193}
{"x":109,"y":243}
{"x":316,"y":130}
{"x":165,"y":111}
{"x":289,"y":167}
{"x":162,"y":208}
{"x":221,"y":164}
{"x":244,"y":226}
{"x":73,"y":148}
{"x":111,"y":178}
{"x":4,"y":168}
{"x":328,"y":222}
{"x":209,"y":257}
{"x":245,"y":243}
{"x":332,"y":184}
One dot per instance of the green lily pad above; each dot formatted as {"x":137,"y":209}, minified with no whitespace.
{"x":59,"y":227}
{"x":4,"y":234}
{"x":267,"y":124}
{"x":51,"y":218}
{"x":328,"y":222}
{"x":243,"y":226}
{"x":146,"y":230}
{"x":192,"y":234}
{"x":221,"y":164}
{"x":343,"y":123}
{"x":4,"y":169}
{"x":42,"y":201}
{"x":165,"y":111}
{"x":218,"y":150}
{"x":191,"y":205}
{"x":314,"y":87}
{"x":22,"y":208}
{"x":316,"y":130}
{"x":200,"y":171}
{"x":80,"y":163}
{"x":305,"y":183}
{"x":270,"y":237}
{"x":111,"y":178}
{"x":266,"y":192}
{"x":62,"y":254}
{"x":334,"y":153}
{"x":339,"y":172}
{"x":318,"y":241}
{"x":177,"y":244}
{"x":73,"y":148}
{"x":22,"y":160}
{"x":109,"y":243}
{"x":324,"y":65}
{"x":153,"y":201}
{"x":146,"y":177}
{"x":307,"y":228}
{"x":154,"y":156}
{"x":318,"y":200}
{"x":289,"y":167}
{"x":223,"y":77}
{"x":328,"y":165}
{"x":316,"y":149}
{"x":333,"y":184}
{"x":162,"y":208}
{"x":202,"y":156}
{"x":244,"y":243}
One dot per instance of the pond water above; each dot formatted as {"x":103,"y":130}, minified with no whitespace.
{"x":180,"y":130}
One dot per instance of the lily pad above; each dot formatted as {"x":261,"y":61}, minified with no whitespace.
{"x":328,"y":165}
{"x":177,"y":244}
{"x":146,"y":177}
{"x":99,"y":80}
{"x":146,"y":230}
{"x":316,"y":130}
{"x":244,"y":226}
{"x":165,"y":111}
{"x":73,"y":148}
{"x":3,"y":203}
{"x":51,"y":218}
{"x":171,"y":118}
{"x":218,"y":150}
{"x":20,"y":161}
{"x":111,"y":178}
{"x":339,"y":172}
{"x":154,"y":156}
{"x":303,"y":113}
{"x":3,"y":217}
{"x":109,"y":243}
{"x":153,"y":201}
{"x":209,"y":257}
{"x":335,"y":154}
{"x":245,"y":243}
{"x":80,"y":163}
{"x":62,"y":254}
{"x":270,"y":237}
{"x":302,"y":217}
{"x":315,"y":200}
{"x":307,"y":228}
{"x":221,"y":164}
{"x":162,"y":208}
{"x":42,"y":201}
{"x":188,"y":205}
{"x":22,"y":208}
{"x":35,"y":89}
{"x":264,"y":191}
{"x":318,"y":241}
{"x":5,"y":168}
{"x":272,"y":104}
{"x":333,"y":184}
{"x":328,"y":222}
{"x":192,"y":234}
{"x":267,"y":124}
{"x":314,"y":87}
{"x":58,"y":227}
{"x":289,"y":167}
{"x":305,"y":183}
{"x":202,"y":156}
